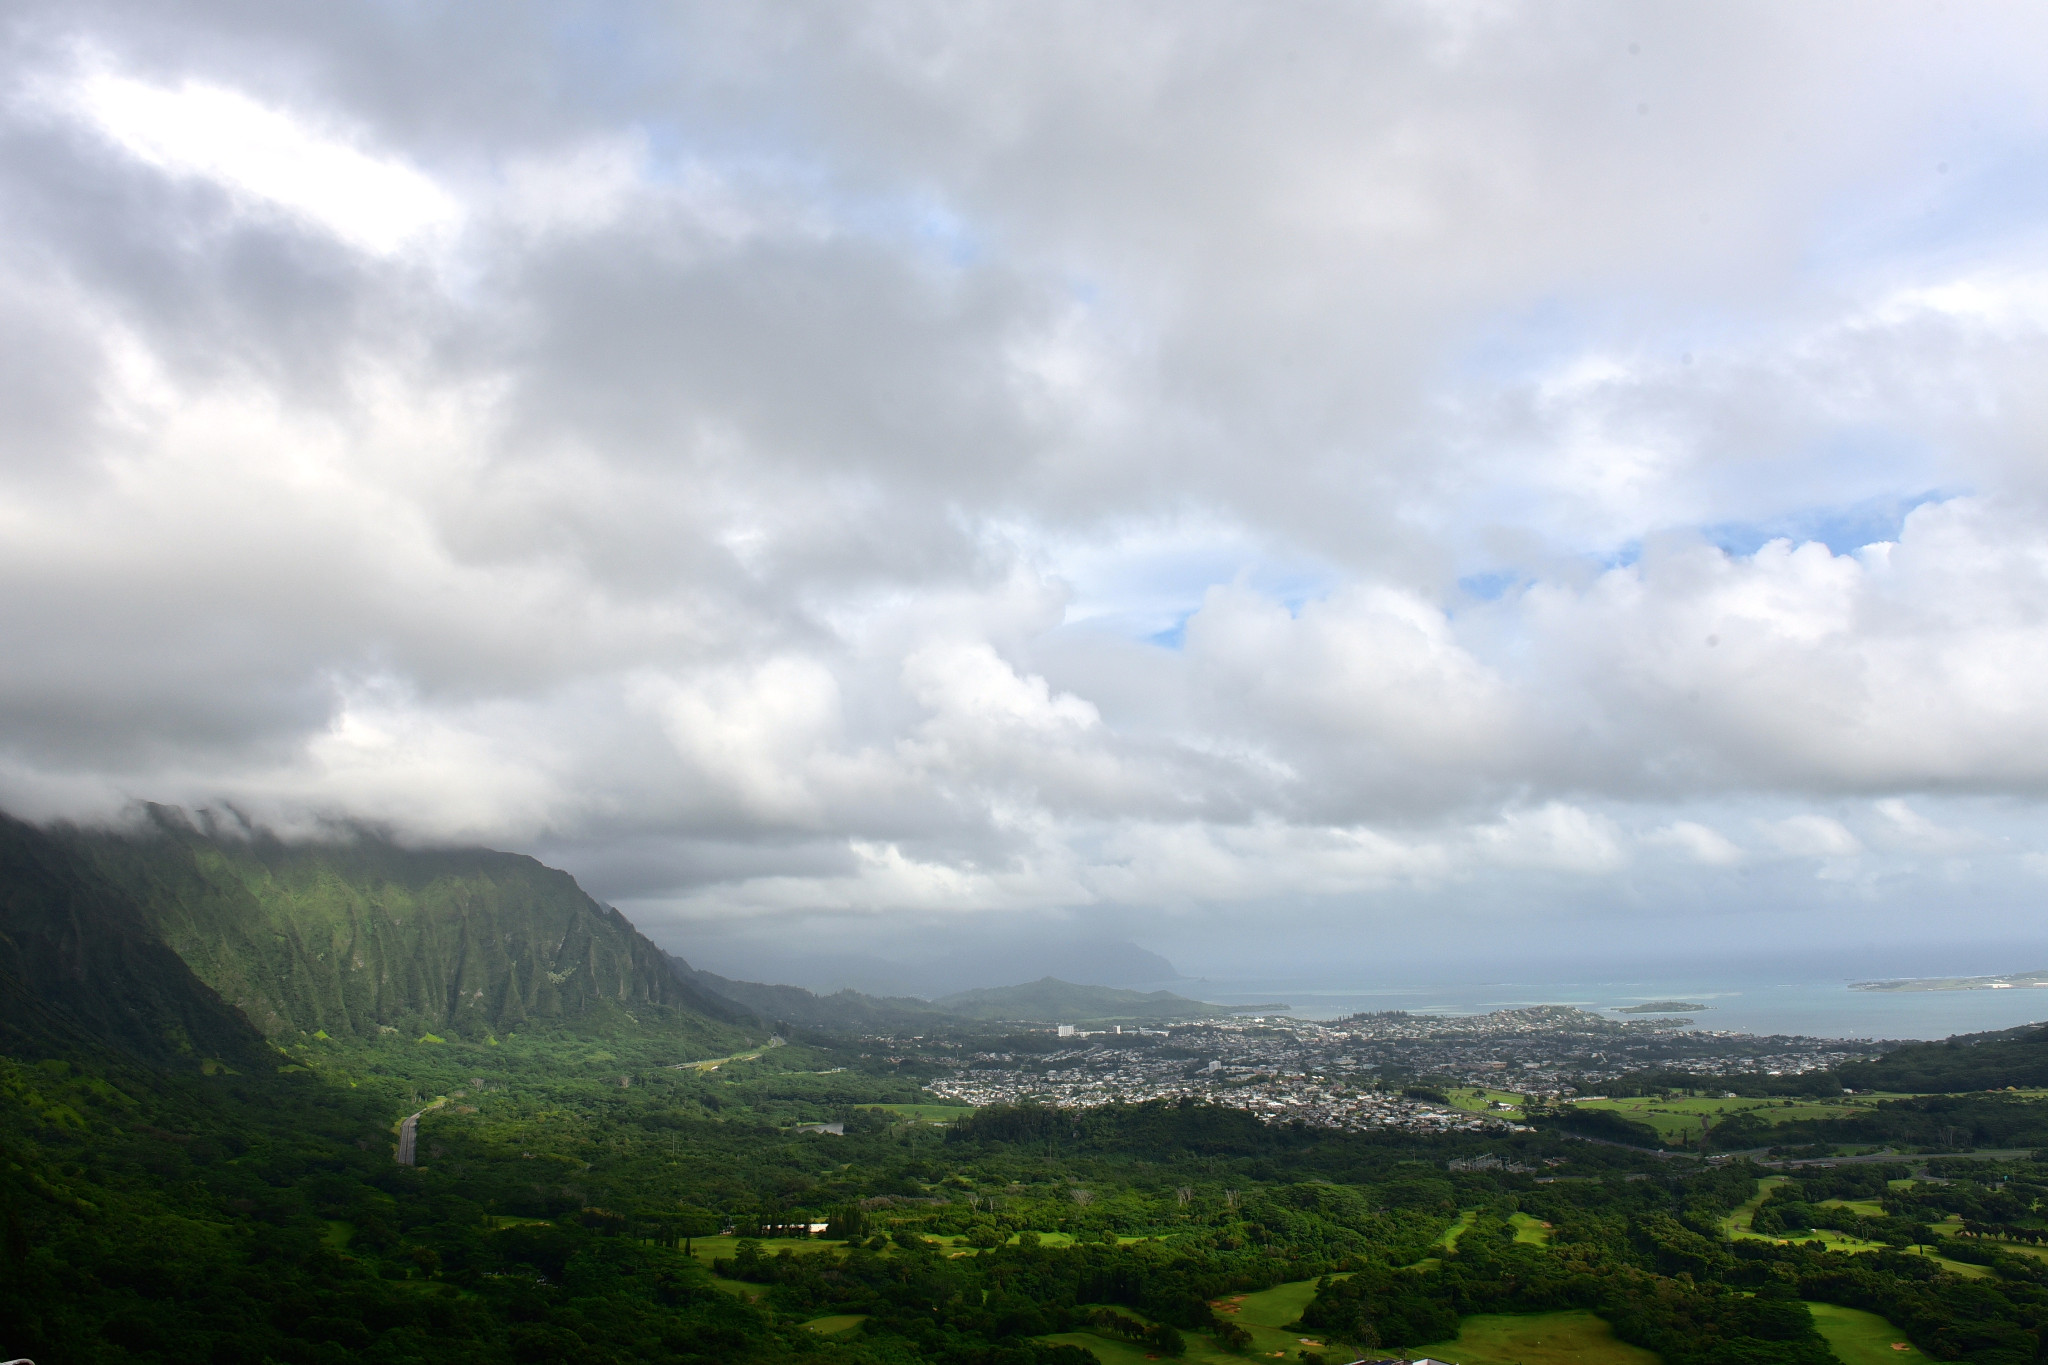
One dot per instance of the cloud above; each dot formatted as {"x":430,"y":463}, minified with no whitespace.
{"x":266,"y":156}
{"x":1916,"y":832}
{"x":1701,"y":843}
{"x":1180,"y":469}
{"x":1812,"y":836}
{"x":1557,"y":837}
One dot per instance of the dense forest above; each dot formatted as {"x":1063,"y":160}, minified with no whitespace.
{"x":208,"y":1047}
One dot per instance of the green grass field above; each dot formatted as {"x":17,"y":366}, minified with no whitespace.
{"x":1278,"y":1306}
{"x":1267,"y":1340}
{"x":1530,"y":1229}
{"x":1860,"y":1338}
{"x":1829,"y":1238}
{"x":2033,"y":1249}
{"x":1110,"y":1351}
{"x":709,"y":1249}
{"x":1056,"y":1239}
{"x":1962,"y":1268}
{"x":1477,"y":1101}
{"x":1737,"y":1223}
{"x":838,"y":1322}
{"x":1449,"y":1240}
{"x":925,"y":1113}
{"x":1572,"y":1338}
{"x":1268,"y":1316}
{"x":1837,"y":1241}
{"x":1952,"y":1226}
{"x":1675,"y":1117}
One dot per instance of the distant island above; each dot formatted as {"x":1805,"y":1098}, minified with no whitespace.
{"x":1660,"y":1007}
{"x":2012,"y":981}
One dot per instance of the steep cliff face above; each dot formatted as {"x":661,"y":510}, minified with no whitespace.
{"x":82,"y":968}
{"x":364,"y":936}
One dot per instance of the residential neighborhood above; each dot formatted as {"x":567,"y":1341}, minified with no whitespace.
{"x":1352,"y":1073}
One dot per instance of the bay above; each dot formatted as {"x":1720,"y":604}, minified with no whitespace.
{"x":1818,"y":1009}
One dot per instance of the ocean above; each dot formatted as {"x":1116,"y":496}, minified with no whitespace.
{"x":1825,"y":1009}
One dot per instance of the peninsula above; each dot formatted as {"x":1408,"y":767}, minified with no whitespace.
{"x":2015,"y":980}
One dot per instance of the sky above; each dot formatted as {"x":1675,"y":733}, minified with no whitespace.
{"x":1318,"y":490}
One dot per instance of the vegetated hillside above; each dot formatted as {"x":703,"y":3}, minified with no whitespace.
{"x":1976,"y":1061}
{"x":360,"y":937}
{"x":81,"y":968}
{"x":849,"y":1011}
{"x":1051,"y":1000}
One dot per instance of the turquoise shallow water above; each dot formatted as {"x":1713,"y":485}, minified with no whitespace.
{"x":1826,"y":1009}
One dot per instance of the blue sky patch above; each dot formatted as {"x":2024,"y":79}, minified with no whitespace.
{"x":1843,"y":530}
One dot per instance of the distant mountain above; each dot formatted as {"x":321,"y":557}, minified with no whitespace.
{"x":971,"y":962}
{"x":1085,"y":962}
{"x":82,"y":969}
{"x":361,"y":936}
{"x":1050,"y":1000}
{"x":848,"y":1011}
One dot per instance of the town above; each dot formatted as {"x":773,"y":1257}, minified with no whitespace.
{"x":1375,"y":1070}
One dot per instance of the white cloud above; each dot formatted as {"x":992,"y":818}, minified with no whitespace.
{"x":758,"y":734}
{"x":1914,"y":830}
{"x":266,"y":155}
{"x":1812,"y":836}
{"x":1701,"y":843}
{"x":1555,"y":837}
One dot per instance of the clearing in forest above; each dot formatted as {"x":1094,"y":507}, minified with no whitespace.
{"x":1737,"y":1223}
{"x":1861,"y":1338}
{"x":1279,"y":1306}
{"x":1572,"y":1338}
{"x":838,"y":1322}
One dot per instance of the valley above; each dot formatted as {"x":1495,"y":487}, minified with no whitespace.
{"x":317,"y":1104}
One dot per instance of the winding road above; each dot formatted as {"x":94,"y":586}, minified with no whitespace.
{"x":409,"y":1133}
{"x":409,"y":1139}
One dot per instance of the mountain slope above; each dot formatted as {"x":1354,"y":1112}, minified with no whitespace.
{"x":1977,"y":1061}
{"x":80,"y":967}
{"x":365,"y":937}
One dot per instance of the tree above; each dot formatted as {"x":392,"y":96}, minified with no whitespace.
{"x":692,"y":1222}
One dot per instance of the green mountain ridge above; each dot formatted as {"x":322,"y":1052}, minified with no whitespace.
{"x":362,"y":937}
{"x":83,"y":970}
